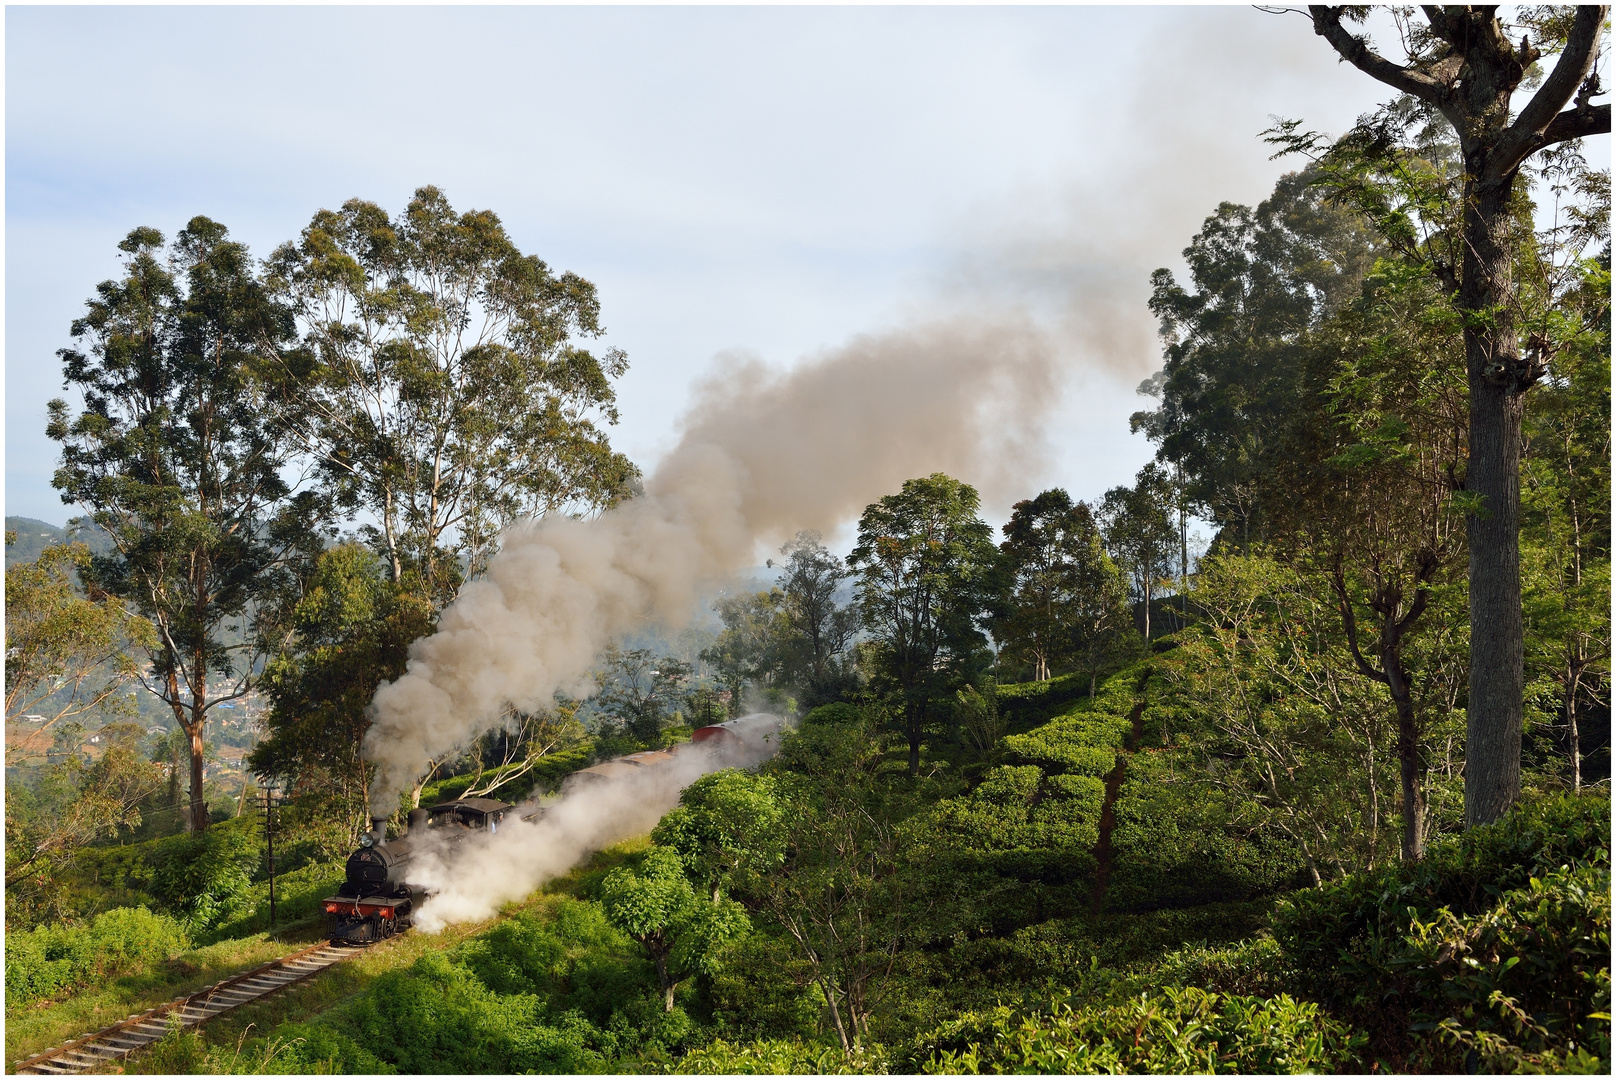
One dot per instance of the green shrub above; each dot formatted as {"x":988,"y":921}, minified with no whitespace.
{"x":1171,"y":1030}
{"x":533,"y":954}
{"x":833,"y":715}
{"x":50,"y":960}
{"x":207,"y":876}
{"x":1525,"y":986}
{"x":1034,"y":702}
{"x":777,"y":1057}
{"x":1174,"y":845}
{"x":1017,"y":824}
{"x":1495,"y":950}
{"x":436,"y":1017}
{"x":762,"y":989}
{"x":1255,"y":967}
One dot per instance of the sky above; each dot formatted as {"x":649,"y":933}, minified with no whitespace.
{"x":767,"y":182}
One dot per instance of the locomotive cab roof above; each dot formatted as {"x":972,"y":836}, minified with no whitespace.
{"x":476,"y":813}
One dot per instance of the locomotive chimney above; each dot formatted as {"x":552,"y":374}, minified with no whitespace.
{"x":378,"y":829}
{"x":418,"y":818}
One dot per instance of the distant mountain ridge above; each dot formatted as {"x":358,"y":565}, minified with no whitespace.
{"x":34,"y":536}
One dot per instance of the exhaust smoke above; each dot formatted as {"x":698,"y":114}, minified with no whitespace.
{"x":762,"y":454}
{"x":488,"y":872}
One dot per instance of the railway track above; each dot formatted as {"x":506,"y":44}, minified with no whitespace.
{"x":142,"y":1029}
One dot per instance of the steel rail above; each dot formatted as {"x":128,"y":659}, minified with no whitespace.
{"x":141,"y":1029}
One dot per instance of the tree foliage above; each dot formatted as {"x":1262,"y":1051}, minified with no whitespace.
{"x":443,"y":389}
{"x":924,"y":561}
{"x":655,"y":905}
{"x":65,"y":653}
{"x":178,"y":454}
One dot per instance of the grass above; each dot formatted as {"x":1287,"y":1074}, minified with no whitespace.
{"x":327,"y":991}
{"x":33,"y":1028}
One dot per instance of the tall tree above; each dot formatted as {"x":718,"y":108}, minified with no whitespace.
{"x":1380,"y":511}
{"x":1139,"y":529}
{"x":444,"y":392}
{"x":1043,"y":541}
{"x":1234,"y":363}
{"x":65,"y":653}
{"x":1464,"y":65}
{"x":924,"y":561}
{"x":817,"y":630}
{"x":1102,"y":626}
{"x":746,"y":651}
{"x":177,"y":455}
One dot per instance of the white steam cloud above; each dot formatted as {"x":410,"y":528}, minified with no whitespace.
{"x":475,"y":879}
{"x":762,"y":454}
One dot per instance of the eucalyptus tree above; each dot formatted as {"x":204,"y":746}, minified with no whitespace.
{"x":1234,"y":365}
{"x":817,"y":628}
{"x":924,"y":561}
{"x":1061,"y":597}
{"x":1464,"y":66}
{"x":178,"y":454}
{"x":445,"y":391}
{"x":1138,"y":526}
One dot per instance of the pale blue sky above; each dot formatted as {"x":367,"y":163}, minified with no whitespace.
{"x":767,"y":179}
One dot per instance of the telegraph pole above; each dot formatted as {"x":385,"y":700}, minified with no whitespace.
{"x":269,"y":839}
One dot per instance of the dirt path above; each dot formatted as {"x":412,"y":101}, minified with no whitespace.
{"x":1113,"y":784}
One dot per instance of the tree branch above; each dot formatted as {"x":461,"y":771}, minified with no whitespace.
{"x":1531,"y":129}
{"x":1576,"y":124}
{"x":1356,"y":51}
{"x":1350,"y":623}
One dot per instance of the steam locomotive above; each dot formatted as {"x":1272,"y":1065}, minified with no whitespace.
{"x":377,"y":899}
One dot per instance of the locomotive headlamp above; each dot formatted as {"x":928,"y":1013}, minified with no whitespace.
{"x":366,"y":840}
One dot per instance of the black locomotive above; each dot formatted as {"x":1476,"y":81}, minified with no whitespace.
{"x":378,"y":900}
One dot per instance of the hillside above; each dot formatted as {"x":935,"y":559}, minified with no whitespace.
{"x":1068,"y":903}
{"x":34,"y":536}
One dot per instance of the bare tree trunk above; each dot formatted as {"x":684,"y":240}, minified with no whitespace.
{"x":1574,"y":664}
{"x":1497,"y":656}
{"x":836,"y":1017}
{"x":1409,"y":760}
{"x":199,"y":807}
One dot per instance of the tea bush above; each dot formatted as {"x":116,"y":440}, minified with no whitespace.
{"x":50,"y":960}
{"x":1170,"y":1030}
{"x":436,"y":1017}
{"x":1494,"y":951}
{"x":777,"y":1057}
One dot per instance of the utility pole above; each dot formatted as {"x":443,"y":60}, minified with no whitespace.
{"x":269,"y":839}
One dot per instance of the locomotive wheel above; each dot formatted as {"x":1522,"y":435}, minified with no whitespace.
{"x":389,"y":927}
